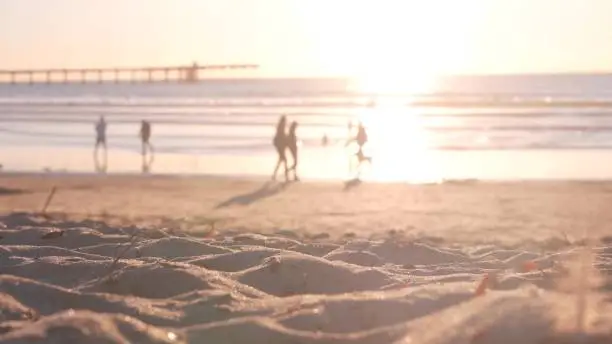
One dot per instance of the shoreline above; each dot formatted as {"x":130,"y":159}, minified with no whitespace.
{"x":328,"y":164}
{"x":307,"y":180}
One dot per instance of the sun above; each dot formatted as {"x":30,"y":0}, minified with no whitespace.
{"x":394,"y":51}
{"x":387,"y":40}
{"x":399,"y":142}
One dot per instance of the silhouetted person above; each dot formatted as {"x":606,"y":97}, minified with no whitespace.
{"x":280,"y":143}
{"x":325,"y":140}
{"x":147,"y":148}
{"x":100,"y":141}
{"x":293,"y":148}
{"x":361,"y":138}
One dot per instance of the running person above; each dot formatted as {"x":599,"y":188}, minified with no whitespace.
{"x":361,"y":139}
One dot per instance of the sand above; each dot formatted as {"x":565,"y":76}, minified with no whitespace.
{"x":126,"y":259}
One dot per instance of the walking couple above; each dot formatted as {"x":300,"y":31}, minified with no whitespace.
{"x":286,"y":140}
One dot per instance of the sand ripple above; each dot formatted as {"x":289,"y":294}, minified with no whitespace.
{"x":66,"y":282}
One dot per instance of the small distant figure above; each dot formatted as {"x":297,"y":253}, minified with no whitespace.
{"x":293,"y":149}
{"x":325,"y":140}
{"x":147,"y":148}
{"x":100,"y":141}
{"x":280,"y":143}
{"x":361,"y":138}
{"x":145,"y":136}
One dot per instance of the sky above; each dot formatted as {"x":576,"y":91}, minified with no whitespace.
{"x":312,"y":37}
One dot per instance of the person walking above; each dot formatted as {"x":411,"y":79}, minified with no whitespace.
{"x":100,"y":141}
{"x":293,"y":148}
{"x":280,"y":143}
{"x":147,"y":148}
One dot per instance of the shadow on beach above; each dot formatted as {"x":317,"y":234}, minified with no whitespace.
{"x":268,"y":189}
{"x":351,"y":184}
{"x":10,"y":191}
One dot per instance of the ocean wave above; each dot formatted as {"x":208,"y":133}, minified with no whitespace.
{"x":239,"y":116}
{"x":347,"y":102}
{"x":127,"y":114}
{"x":319,"y":123}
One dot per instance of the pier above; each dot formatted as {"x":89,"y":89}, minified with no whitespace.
{"x":187,"y":74}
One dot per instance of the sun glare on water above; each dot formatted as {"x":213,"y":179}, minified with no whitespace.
{"x":392,"y":49}
{"x":398,"y":142}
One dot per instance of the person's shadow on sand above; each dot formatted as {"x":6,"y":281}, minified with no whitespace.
{"x":267,"y":190}
{"x":10,"y":191}
{"x":350,"y":184}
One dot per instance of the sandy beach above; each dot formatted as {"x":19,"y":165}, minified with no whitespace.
{"x":154,"y":259}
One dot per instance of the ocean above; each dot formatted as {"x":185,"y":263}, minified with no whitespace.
{"x":463,"y":127}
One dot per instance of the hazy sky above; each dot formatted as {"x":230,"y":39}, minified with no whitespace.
{"x":305,"y":37}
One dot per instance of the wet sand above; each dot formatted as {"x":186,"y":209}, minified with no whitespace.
{"x":512,"y":212}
